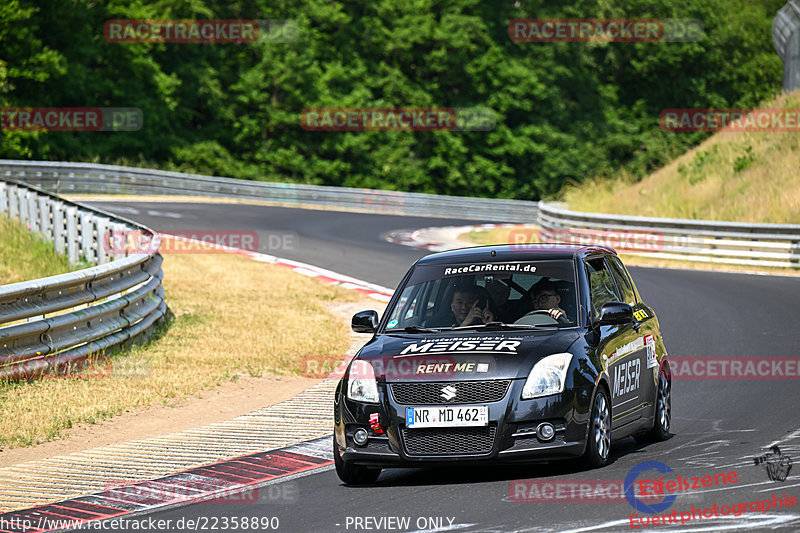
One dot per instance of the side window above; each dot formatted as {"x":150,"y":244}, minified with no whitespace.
{"x":407,"y":308}
{"x":601,"y":283}
{"x":623,"y":281}
{"x":435,"y":295}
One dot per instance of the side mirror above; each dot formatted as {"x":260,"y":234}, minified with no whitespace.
{"x":367,"y":322}
{"x":614,"y":313}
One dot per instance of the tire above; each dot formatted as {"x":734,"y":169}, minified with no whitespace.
{"x":353,"y":474}
{"x":662,"y":417}
{"x":598,"y":445}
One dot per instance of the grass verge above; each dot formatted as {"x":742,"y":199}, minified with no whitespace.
{"x":25,"y":255}
{"x":233,"y":317}
{"x":741,"y":177}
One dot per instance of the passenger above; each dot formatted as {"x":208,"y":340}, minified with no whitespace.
{"x":481,"y":311}
{"x":471,"y":305}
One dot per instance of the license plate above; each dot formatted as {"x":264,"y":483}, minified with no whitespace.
{"x":438,"y":417}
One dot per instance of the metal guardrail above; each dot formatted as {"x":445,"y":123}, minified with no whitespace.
{"x":696,"y":240}
{"x":741,"y":243}
{"x":87,"y":178}
{"x":786,"y":38}
{"x":52,"y":324}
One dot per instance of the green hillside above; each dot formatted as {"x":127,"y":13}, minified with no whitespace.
{"x":744,"y":177}
{"x":565,"y":111}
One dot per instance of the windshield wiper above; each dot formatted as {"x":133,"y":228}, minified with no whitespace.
{"x":413,"y":329}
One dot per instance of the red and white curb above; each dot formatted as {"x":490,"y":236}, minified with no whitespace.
{"x":439,"y":238}
{"x":234,"y":481}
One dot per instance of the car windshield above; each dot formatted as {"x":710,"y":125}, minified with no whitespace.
{"x":521,"y":293}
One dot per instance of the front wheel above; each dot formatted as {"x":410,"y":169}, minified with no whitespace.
{"x":353,"y":474}
{"x":663,"y":415}
{"x":598,"y":447}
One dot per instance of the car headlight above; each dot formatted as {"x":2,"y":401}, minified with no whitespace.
{"x":547,"y":376}
{"x":361,"y":383}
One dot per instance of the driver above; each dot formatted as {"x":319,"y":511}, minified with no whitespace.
{"x":543,"y":296}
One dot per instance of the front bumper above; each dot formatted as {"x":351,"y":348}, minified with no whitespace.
{"x":510,"y":437}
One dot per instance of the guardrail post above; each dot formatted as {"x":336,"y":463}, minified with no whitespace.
{"x":119,"y":234}
{"x":87,"y":249}
{"x":104,"y":243}
{"x":72,"y":235}
{"x":45,"y":222}
{"x":13,"y":202}
{"x":24,"y":218}
{"x":3,"y":198}
{"x":59,"y":234}
{"x":33,"y":213}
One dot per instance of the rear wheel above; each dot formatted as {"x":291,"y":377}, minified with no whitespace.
{"x":353,"y":474}
{"x":598,"y":447}
{"x":663,"y":414}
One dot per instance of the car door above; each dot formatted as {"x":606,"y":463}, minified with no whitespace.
{"x":646,"y":324}
{"x":621,"y":348}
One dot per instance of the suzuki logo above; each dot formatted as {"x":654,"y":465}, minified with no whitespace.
{"x":448,"y":392}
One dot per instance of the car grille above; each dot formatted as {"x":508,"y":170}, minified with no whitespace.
{"x":430,"y":393}
{"x":378,"y":445}
{"x":449,"y":441}
{"x":531,"y":442}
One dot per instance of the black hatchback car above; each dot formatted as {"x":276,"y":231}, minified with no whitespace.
{"x":510,"y":353}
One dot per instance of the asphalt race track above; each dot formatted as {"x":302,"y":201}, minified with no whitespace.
{"x":718,"y":425}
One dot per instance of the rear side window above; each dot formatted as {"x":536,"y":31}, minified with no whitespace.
{"x":623,"y":280}
{"x":601,"y":282}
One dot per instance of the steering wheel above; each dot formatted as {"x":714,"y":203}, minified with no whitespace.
{"x":538,"y":312}
{"x":545,"y":312}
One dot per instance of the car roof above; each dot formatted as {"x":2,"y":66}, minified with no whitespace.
{"x":513,"y":252}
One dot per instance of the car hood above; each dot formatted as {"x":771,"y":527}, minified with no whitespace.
{"x":462,"y":356}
